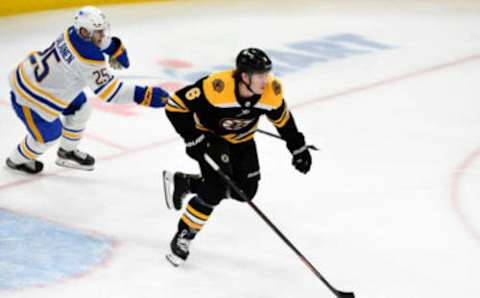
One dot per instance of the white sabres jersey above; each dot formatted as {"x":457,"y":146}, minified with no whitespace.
{"x":49,"y":81}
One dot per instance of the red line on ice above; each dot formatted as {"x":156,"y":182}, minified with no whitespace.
{"x":455,"y":197}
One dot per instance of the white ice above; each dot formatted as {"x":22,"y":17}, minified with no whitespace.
{"x":390,"y":208}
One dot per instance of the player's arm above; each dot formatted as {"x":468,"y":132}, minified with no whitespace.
{"x":284,"y":122}
{"x":112,"y":90}
{"x":179,"y":109}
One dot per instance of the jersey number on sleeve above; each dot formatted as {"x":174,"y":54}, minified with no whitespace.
{"x":102,"y":76}
{"x":42,"y":69}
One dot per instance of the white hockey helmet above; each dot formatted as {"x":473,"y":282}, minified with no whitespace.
{"x":92,"y":19}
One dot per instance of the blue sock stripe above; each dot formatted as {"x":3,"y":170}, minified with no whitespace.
{"x":29,"y":148}
{"x":23,"y":154}
{"x":72,"y":130}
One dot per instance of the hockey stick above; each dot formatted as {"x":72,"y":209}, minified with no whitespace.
{"x":244,"y":197}
{"x":313,"y":147}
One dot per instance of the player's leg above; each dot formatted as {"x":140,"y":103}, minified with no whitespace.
{"x":246,"y":168}
{"x":42,"y":135}
{"x":75,"y":119}
{"x":191,"y":222}
{"x":210,"y":192}
{"x":177,"y":186}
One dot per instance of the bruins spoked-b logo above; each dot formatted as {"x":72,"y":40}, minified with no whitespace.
{"x":277,"y":88}
{"x":235,"y":124}
{"x":218,"y":85}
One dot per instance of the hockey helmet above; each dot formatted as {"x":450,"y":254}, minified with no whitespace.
{"x":253,"y":60}
{"x":92,"y":19}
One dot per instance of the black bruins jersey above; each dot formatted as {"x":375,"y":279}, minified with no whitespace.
{"x":213,"y":105}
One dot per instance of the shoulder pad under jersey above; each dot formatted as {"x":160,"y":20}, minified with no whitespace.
{"x":219,"y":89}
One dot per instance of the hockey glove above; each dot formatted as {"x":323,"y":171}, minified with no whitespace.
{"x":301,"y":160}
{"x":118,"y":54}
{"x":154,"y":97}
{"x":196,"y":146}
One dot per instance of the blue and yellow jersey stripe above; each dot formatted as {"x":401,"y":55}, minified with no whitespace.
{"x":58,"y":102}
{"x":118,"y":52}
{"x":35,"y":100}
{"x":108,"y":91}
{"x":32,"y":126}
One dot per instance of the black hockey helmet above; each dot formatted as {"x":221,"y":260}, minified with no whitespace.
{"x":253,"y":60}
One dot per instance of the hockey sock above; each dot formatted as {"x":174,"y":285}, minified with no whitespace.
{"x":29,"y":149}
{"x":70,"y":138}
{"x":195,"y":216}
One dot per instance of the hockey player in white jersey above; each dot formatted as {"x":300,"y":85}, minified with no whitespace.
{"x":47,"y":91}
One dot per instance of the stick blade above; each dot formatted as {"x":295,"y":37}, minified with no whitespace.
{"x":345,"y":294}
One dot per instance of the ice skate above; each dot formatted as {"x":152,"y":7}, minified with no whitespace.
{"x":75,"y":159}
{"x":179,"y":248}
{"x":29,"y":167}
{"x":176,"y":187}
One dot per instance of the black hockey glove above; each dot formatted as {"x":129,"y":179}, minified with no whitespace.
{"x":196,"y":146}
{"x":301,"y":160}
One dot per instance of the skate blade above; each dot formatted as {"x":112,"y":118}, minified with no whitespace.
{"x":72,"y":165}
{"x":174,"y":260}
{"x":167,"y":188}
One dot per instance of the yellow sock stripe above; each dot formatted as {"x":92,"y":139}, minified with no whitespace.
{"x":119,"y":51}
{"x":31,"y":100}
{"x":197,"y":213}
{"x":30,"y":85}
{"x":108,"y":91}
{"x":27,"y":152}
{"x":31,"y":125}
{"x":190,"y":223}
{"x":147,"y":99}
{"x":71,"y":135}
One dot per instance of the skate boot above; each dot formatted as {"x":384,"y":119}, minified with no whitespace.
{"x":29,"y":167}
{"x":75,"y":159}
{"x":176,"y":187}
{"x":180,"y":247}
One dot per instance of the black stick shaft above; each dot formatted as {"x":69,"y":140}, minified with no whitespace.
{"x":269,"y":134}
{"x":244,"y":197}
{"x":313,"y":147}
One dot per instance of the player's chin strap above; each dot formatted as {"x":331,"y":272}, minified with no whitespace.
{"x":249,"y":83}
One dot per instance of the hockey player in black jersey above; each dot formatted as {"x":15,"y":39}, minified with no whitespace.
{"x":218,"y":115}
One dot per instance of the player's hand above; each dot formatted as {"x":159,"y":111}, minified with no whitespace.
{"x":196,"y":146}
{"x":115,"y":64}
{"x":302,"y":160}
{"x":154,"y":97}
